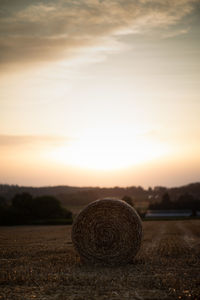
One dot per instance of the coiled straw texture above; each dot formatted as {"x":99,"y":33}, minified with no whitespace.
{"x":107,"y":232}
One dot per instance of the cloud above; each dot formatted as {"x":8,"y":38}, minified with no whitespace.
{"x":32,"y":32}
{"x":174,"y":33}
{"x":22,"y":140}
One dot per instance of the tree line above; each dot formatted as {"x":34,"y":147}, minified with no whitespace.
{"x":184,"y":201}
{"x":25,"y":209}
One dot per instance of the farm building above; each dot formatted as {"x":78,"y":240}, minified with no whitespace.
{"x":168,"y":213}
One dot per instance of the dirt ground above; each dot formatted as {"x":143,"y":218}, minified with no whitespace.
{"x":40,"y":263}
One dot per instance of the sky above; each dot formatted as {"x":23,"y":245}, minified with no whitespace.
{"x":100,"y":93}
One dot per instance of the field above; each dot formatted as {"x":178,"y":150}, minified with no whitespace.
{"x":40,"y":263}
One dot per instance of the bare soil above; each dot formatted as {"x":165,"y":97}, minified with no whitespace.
{"x":39,"y":262}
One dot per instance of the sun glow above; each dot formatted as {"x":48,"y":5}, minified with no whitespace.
{"x":106,"y":150}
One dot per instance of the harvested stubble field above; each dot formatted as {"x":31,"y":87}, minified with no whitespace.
{"x":40,"y":263}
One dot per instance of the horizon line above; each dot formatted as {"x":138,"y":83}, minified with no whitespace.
{"x":101,"y":187}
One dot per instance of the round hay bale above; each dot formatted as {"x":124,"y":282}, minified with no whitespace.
{"x":108,"y":231}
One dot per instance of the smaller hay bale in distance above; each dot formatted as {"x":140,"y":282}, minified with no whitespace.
{"x":107,"y":232}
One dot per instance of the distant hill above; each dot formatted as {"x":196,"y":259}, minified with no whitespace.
{"x":192,"y":188}
{"x":70,"y":195}
{"x":8,"y":191}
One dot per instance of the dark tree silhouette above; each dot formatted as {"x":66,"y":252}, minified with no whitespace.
{"x":166,"y":203}
{"x":25,"y":209}
{"x":23,"y":202}
{"x":128,"y":200}
{"x":188,"y":201}
{"x":49,"y":207}
{"x":184,"y":201}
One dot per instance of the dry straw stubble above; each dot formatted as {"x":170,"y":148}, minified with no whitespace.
{"x":107,"y":232}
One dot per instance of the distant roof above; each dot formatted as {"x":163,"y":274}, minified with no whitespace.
{"x":168,"y":210}
{"x":168,"y":213}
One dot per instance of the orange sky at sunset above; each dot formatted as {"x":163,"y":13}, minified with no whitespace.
{"x":100,"y":93}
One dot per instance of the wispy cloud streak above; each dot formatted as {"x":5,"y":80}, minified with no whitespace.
{"x":51,"y":30}
{"x":22,"y":140}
